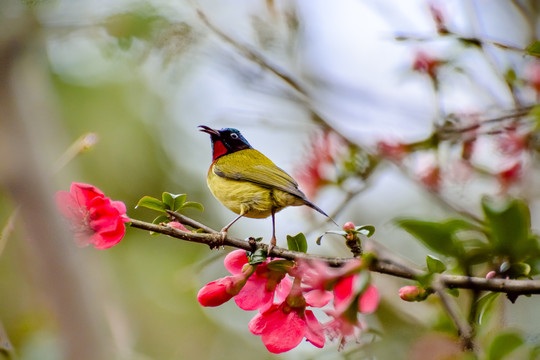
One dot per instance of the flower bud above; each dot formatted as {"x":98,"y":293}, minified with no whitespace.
{"x":348,"y":226}
{"x":491,"y":274}
{"x":412,"y":293}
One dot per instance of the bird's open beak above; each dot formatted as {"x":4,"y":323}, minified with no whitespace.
{"x":208,"y":130}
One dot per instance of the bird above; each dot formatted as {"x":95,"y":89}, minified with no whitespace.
{"x":247,"y":182}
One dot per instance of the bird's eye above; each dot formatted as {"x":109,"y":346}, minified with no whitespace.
{"x":234,"y":136}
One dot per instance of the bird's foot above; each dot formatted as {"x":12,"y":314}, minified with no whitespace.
{"x":272,"y":245}
{"x":220,"y":241}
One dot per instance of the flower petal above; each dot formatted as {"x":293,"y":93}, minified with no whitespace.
{"x":314,"y":330}
{"x":235,"y":261}
{"x":254,"y":295}
{"x":318,"y":298}
{"x":369,"y":300}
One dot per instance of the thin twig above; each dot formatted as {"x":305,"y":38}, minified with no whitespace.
{"x":465,"y":330}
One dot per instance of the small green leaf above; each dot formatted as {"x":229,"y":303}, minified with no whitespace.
{"x":280,"y":265}
{"x":366,"y":230}
{"x":297,"y":242}
{"x":161,"y":219}
{"x":257,"y":257}
{"x":168,"y":200}
{"x":453,"y":291}
{"x":519,"y":270}
{"x":435,"y":265}
{"x":509,"y":229}
{"x":192,"y":205}
{"x":484,"y":305}
{"x":503,"y":344}
{"x":151,"y":203}
{"x":437,"y":236}
{"x":533,"y":49}
{"x":179,"y":202}
{"x":341,"y":233}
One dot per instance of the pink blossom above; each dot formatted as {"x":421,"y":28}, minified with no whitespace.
{"x":533,"y":76}
{"x":491,"y":274}
{"x":221,"y":290}
{"x":178,"y":226}
{"x":427,"y":64}
{"x":430,"y":177}
{"x":348,"y":226}
{"x":343,"y":329}
{"x":512,"y":143}
{"x":283,"y":326}
{"x":510,"y":175}
{"x":392,"y":150}
{"x":412,"y":293}
{"x":95,"y":219}
{"x":260,"y":285}
{"x":324,"y":149}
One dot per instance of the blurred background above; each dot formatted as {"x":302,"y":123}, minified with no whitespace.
{"x":110,"y":93}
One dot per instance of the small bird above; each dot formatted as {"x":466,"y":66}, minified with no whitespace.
{"x":247,"y":182}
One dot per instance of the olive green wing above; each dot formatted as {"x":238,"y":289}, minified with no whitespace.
{"x":251,"y":165}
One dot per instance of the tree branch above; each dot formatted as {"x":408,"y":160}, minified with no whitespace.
{"x":381,"y":263}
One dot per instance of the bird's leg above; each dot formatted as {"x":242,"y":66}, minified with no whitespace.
{"x":273,"y":240}
{"x":226,"y":228}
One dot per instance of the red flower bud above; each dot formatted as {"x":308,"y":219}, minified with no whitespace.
{"x":348,"y":226}
{"x":412,"y":293}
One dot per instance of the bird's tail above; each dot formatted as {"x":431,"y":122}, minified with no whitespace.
{"x":315,"y":207}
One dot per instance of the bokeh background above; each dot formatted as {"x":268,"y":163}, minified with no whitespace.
{"x":139,"y":76}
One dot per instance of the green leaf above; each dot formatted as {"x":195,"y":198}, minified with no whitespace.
{"x":509,"y":229}
{"x":280,"y":265}
{"x":453,"y":291}
{"x":437,"y":236}
{"x":533,"y":49}
{"x":341,"y":233}
{"x":257,"y":257}
{"x":484,"y":305}
{"x":192,"y":205}
{"x":179,"y":202}
{"x":168,"y":200}
{"x":366,"y":230}
{"x":151,"y":203}
{"x":297,"y":242}
{"x":503,"y":345}
{"x":161,"y":219}
{"x":435,"y":265}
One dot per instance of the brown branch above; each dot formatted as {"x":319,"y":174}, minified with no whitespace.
{"x":381,"y":263}
{"x":464,"y":329}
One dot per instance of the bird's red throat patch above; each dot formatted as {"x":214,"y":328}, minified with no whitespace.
{"x":219,"y":149}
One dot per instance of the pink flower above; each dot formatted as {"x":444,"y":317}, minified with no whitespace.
{"x":512,"y":143}
{"x":510,"y":175}
{"x":431,"y":178}
{"x":491,"y":274}
{"x":533,"y":76}
{"x":178,"y":226}
{"x":348,"y":226}
{"x":283,"y":326}
{"x":94,"y":218}
{"x":426,"y":64}
{"x":343,"y":329}
{"x":313,"y":173}
{"x":392,"y":150}
{"x":256,"y":291}
{"x":412,"y":293}
{"x":222,"y":290}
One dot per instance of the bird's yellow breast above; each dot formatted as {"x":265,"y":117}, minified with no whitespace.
{"x":248,"y":198}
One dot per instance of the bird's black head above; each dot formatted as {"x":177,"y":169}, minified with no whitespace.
{"x":225,"y":141}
